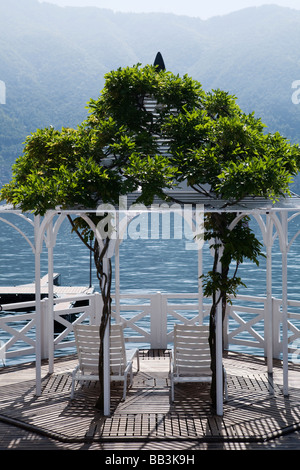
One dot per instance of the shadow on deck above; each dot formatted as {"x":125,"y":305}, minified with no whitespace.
{"x":256,"y":409}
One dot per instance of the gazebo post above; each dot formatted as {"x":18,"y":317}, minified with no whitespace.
{"x":200,"y":287}
{"x":117,"y":268}
{"x":50,"y":323}
{"x":37,"y":256}
{"x":284,"y":250}
{"x":269,"y":320}
{"x":219,"y":360}
{"x":106,"y":361}
{"x":219,"y":352}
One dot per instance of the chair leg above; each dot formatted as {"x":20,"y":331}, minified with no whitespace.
{"x":74,"y":380}
{"x":72,"y":388}
{"x":225,"y":386}
{"x":131,"y":376}
{"x":73,"y":385}
{"x":172,"y":390}
{"x":124,"y":387}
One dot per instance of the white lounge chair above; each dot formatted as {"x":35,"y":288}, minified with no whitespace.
{"x":190,"y":358}
{"x":87,"y":343}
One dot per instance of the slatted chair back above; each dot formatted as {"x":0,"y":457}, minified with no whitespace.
{"x":118,"y":359}
{"x":191,"y":351}
{"x":87,"y":343}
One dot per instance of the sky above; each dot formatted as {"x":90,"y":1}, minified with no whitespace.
{"x":199,"y":8}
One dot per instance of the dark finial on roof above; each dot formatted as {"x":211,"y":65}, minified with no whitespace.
{"x":159,"y":62}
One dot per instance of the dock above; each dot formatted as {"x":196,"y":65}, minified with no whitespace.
{"x":256,"y":415}
{"x":26,"y":292}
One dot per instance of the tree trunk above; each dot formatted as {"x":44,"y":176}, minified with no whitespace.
{"x":104,"y":275}
{"x":218,"y":296}
{"x":213,"y":363}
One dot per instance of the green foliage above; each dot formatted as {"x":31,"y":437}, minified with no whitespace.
{"x":153,"y":175}
{"x":216,"y":282}
{"x":56,"y":169}
{"x":220,"y":146}
{"x":236,"y":244}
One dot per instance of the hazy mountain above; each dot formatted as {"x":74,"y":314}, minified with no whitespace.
{"x":53,"y":60}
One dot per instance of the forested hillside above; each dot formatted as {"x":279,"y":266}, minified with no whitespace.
{"x":53,"y":60}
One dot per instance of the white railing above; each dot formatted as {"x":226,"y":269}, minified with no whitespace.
{"x":245,"y":325}
{"x":17,"y":331}
{"x":293,"y":326}
{"x":148,"y":321}
{"x":63,"y":315}
{"x":152,"y":319}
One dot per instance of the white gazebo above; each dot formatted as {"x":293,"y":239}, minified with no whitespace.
{"x":273,"y":220}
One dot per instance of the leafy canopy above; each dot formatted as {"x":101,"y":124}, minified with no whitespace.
{"x":220,"y":146}
{"x":211,"y":144}
{"x":115,"y":151}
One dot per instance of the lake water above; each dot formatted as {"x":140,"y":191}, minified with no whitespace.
{"x":146,"y":265}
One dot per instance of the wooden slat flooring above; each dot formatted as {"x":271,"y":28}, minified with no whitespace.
{"x":256,"y":410}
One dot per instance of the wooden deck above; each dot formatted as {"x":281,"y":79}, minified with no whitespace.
{"x":256,"y":411}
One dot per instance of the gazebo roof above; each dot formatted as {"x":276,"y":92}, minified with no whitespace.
{"x":248,"y":204}
{"x":193,"y":198}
